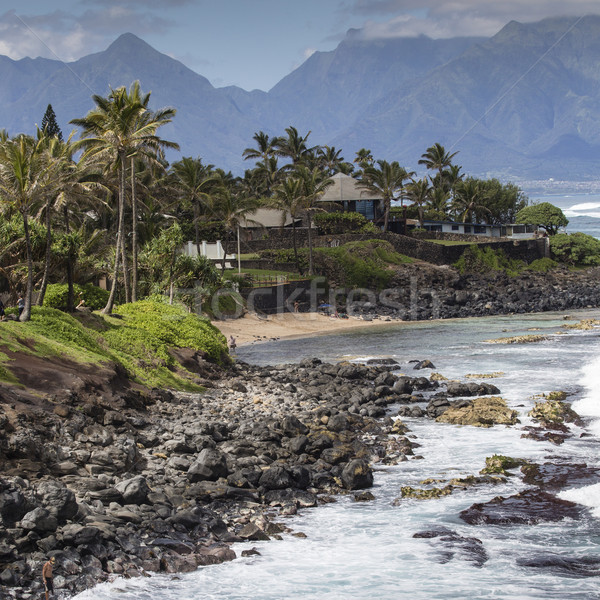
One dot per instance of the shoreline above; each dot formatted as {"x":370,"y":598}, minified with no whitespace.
{"x":251,"y":329}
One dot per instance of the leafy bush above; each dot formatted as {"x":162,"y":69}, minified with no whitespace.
{"x":542,"y":265}
{"x":476,"y":259}
{"x":56,"y":296}
{"x":343,"y":222}
{"x":576,"y":249}
{"x":172,"y":326}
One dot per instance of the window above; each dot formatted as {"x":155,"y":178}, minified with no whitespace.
{"x":467,"y":229}
{"x":365,"y":208}
{"x":479,"y":229}
{"x":455,"y":227}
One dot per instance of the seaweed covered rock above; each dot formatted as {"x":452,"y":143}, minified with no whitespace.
{"x":481,"y":412}
{"x":554,"y":412}
{"x":499,"y":464}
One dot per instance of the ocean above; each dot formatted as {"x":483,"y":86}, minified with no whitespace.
{"x":363,"y":550}
{"x":582,"y":210}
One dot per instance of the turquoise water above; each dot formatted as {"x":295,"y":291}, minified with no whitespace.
{"x":367,"y":550}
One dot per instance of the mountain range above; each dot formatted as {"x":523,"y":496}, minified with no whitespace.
{"x":524,"y":103}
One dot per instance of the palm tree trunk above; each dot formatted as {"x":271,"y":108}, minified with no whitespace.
{"x":26,"y":314}
{"x":196,"y":226}
{"x":295,"y":244}
{"x":40,"y":299}
{"x":70,"y":265}
{"x":310,"y":244}
{"x":126,"y":285}
{"x":134,"y":236}
{"x":386,"y":214}
{"x":225,"y":247}
{"x":113,"y":288}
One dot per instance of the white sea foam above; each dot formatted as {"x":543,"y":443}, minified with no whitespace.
{"x":586,"y":496}
{"x":584,"y":206}
{"x":589,"y":404}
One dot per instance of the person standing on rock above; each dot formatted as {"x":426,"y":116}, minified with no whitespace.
{"x":47,"y":576}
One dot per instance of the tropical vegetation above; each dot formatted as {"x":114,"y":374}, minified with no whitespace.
{"x":104,"y":206}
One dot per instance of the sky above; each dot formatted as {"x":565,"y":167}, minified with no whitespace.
{"x":251,"y":43}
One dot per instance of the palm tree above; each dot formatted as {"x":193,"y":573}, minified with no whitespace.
{"x":195,"y":181}
{"x":469,"y":201}
{"x":25,"y":179}
{"x":437,"y":159}
{"x":293,"y":146}
{"x":119,"y":127}
{"x":288,"y":198}
{"x":330,"y":159}
{"x":418,"y":192}
{"x":438,"y":204}
{"x":387,"y":179}
{"x":364,"y":158}
{"x":146,"y":149}
{"x":314,"y":184}
{"x":232,"y":209}
{"x":265,"y":147}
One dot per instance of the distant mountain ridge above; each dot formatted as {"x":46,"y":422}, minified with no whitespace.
{"x":524,"y":103}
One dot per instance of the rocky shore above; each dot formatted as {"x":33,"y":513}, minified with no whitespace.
{"x":423,"y":291}
{"x":139,"y":482}
{"x":132,"y":483}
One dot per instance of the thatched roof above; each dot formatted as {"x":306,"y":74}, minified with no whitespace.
{"x":346,"y":188}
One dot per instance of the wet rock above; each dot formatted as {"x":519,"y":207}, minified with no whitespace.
{"x":357,"y":474}
{"x":481,"y":412}
{"x":558,"y":475}
{"x":451,"y":545}
{"x":563,"y":566}
{"x":529,"y":507}
{"x":424,"y":364}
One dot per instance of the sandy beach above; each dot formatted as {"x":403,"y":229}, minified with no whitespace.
{"x":251,"y":329}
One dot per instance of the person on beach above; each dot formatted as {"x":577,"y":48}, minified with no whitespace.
{"x":296,"y":306}
{"x":47,"y":576}
{"x":20,"y":304}
{"x":232,"y":344}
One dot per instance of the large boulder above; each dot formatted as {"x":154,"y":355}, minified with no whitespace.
{"x":357,"y":475}
{"x":39,"y":520}
{"x":210,"y":465}
{"x":276,"y":478}
{"x":58,"y":499}
{"x":134,"y":490}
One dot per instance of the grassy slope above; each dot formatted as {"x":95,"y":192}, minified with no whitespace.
{"x":140,"y":341}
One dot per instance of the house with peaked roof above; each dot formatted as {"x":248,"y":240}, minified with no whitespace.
{"x":351,"y":196}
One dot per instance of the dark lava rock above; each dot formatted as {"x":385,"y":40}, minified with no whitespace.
{"x":564,"y":566}
{"x":357,"y":475}
{"x":528,"y":508}
{"x":449,"y":543}
{"x":554,"y":477}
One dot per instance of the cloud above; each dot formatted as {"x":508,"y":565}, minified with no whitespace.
{"x":68,"y":36}
{"x":443,"y":18}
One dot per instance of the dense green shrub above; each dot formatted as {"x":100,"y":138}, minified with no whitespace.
{"x":56,"y":296}
{"x":576,"y":249}
{"x":542,"y":265}
{"x":343,"y":222}
{"x":171,"y":326}
{"x":476,"y":259}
